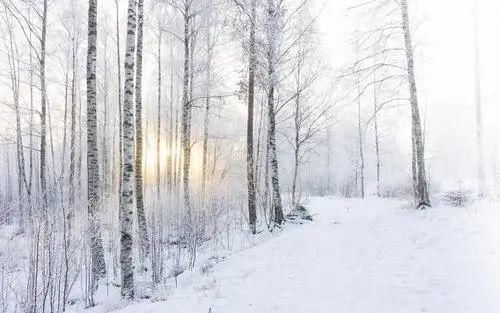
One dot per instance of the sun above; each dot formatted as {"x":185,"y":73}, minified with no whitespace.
{"x":151,"y":159}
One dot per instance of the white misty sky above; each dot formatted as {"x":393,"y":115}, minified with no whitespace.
{"x":443,"y":36}
{"x":445,"y":77}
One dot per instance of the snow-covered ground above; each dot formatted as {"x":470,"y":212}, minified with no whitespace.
{"x":358,"y":256}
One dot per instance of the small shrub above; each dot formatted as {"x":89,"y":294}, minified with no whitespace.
{"x":457,"y":198}
{"x":298,"y":214}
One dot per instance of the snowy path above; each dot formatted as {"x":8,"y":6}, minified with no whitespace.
{"x":358,"y":257}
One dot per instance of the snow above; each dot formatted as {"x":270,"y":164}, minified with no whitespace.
{"x":358,"y":256}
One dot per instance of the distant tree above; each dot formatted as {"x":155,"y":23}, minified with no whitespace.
{"x":390,"y":47}
{"x":482,"y":189}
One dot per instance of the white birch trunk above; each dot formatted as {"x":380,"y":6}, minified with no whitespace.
{"x":43,"y":116}
{"x":360,"y":145}
{"x":185,"y":121}
{"x":120,"y":102}
{"x":98,"y":266}
{"x":479,"y":109}
{"x":376,"y":133}
{"x":158,"y":120}
{"x":208,"y":87}
{"x":127,"y":193}
{"x":271,"y":28}
{"x":422,"y":188}
{"x":139,"y":188}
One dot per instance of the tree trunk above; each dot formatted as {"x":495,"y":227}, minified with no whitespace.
{"x":273,"y":157}
{"x":297,"y":126}
{"x":8,"y":187}
{"x":177,"y":157}
{"x":14,"y":68}
{"x":172,"y":151}
{"x":96,"y":247}
{"x":127,"y":193}
{"x":295,"y":175}
{"x":185,"y":127}
{"x":414,"y":162}
{"x":43,"y":116}
{"x":252,"y":211}
{"x":51,"y":137}
{"x":376,"y":134}
{"x":31,"y":122}
{"x":258,"y":154}
{"x":158,"y":125}
{"x":156,"y":223}
{"x":268,"y":201}
{"x":360,"y":144}
{"x":422,"y":189}
{"x":207,"y":112}
{"x":120,"y":103}
{"x":479,"y":110}
{"x":328,"y":159}
{"x":80,"y":149}
{"x":65,"y":128}
{"x":139,"y":188}
{"x":72,"y":153}
{"x":105,"y":132}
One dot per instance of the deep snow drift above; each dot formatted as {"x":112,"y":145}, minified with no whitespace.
{"x":357,"y":256}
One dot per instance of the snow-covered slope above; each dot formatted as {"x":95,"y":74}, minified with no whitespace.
{"x":358,"y":256}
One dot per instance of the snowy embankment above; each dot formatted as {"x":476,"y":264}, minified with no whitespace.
{"x":357,"y":256}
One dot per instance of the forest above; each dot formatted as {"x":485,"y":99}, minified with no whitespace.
{"x":249,"y":156}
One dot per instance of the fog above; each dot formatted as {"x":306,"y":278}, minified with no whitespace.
{"x":444,"y":56}
{"x":444,"y":52}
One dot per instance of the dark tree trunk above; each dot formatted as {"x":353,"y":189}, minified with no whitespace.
{"x":273,"y":156}
{"x":252,"y":211}
{"x":96,"y":246}
{"x":422,"y":188}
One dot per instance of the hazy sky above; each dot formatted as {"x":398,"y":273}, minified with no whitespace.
{"x":443,"y":36}
{"x":444,"y":54}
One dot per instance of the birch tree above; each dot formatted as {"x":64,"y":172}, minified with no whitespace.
{"x":391,"y":52}
{"x":96,"y":247}
{"x":43,"y":116}
{"x":119,"y":92}
{"x":127,"y":192}
{"x":252,"y":64}
{"x":14,"y":70}
{"x":73,"y":123}
{"x":361,"y":165}
{"x":186,"y":104}
{"x":171,"y":135}
{"x":479,"y":110}
{"x":309,"y":109}
{"x":36,"y":37}
{"x":210,"y":43}
{"x":376,"y":135}
{"x":250,"y":15}
{"x":422,"y":188}
{"x":272,"y":17}
{"x":158,"y":118}
{"x":139,"y":188}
